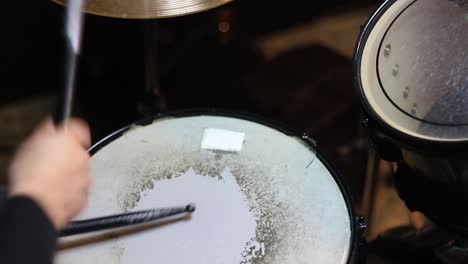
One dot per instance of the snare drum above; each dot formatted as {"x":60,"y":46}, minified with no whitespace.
{"x":263,"y":195}
{"x":411,"y":68}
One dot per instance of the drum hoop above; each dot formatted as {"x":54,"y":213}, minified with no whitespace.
{"x":356,"y":223}
{"x":375,"y":121}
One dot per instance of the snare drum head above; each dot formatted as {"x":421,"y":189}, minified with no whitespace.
{"x":262,"y":196}
{"x":412,"y":66}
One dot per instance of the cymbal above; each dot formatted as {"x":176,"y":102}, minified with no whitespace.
{"x":146,"y":9}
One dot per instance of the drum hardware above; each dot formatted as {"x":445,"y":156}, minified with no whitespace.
{"x":306,"y":137}
{"x":360,"y":256}
{"x":372,"y":167}
{"x":412,"y":82}
{"x":143,"y":9}
{"x":152,"y":100}
{"x":124,"y":220}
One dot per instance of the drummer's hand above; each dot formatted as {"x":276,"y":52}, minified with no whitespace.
{"x":53,"y":167}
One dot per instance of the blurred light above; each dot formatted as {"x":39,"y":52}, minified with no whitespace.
{"x":224,"y":27}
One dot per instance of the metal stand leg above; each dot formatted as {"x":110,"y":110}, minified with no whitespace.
{"x":373,"y":162}
{"x":153,"y":101}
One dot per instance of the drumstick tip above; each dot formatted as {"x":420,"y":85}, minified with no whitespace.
{"x":190,"y":208}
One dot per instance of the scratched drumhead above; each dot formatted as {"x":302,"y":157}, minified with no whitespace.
{"x":412,"y":69}
{"x":261,"y":196}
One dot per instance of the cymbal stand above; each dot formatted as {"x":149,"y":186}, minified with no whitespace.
{"x":152,"y":101}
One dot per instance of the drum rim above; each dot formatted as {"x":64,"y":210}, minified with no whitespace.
{"x":375,"y":121}
{"x":357,"y":225}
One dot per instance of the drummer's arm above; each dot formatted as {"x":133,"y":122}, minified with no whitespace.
{"x":49,"y":180}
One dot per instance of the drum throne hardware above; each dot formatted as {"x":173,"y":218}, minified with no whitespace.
{"x":410,"y":67}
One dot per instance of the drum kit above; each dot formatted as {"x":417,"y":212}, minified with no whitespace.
{"x":265,"y":193}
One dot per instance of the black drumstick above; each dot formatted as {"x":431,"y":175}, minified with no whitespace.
{"x":122,"y":220}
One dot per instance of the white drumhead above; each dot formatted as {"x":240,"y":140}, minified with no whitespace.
{"x":413,"y":68}
{"x":268,"y":199}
